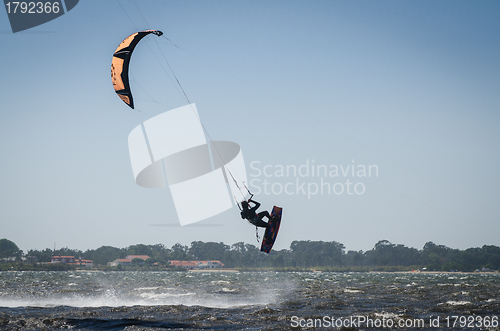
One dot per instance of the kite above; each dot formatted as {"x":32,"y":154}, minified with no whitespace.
{"x":120,"y":64}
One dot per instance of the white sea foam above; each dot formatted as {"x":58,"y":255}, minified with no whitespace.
{"x":387,"y":315}
{"x":156,"y":296}
{"x":147,"y":289}
{"x":145,"y":299}
{"x":457,"y":303}
{"x":229,"y":290}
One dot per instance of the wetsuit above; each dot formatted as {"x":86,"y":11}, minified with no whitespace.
{"x":256,"y":219}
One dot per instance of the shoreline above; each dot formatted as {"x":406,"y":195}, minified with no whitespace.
{"x":213,"y":270}
{"x":439,"y":272}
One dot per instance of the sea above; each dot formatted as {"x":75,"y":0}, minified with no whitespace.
{"x":136,"y":300}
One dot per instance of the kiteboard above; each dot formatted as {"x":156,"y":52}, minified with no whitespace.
{"x":272,"y":232}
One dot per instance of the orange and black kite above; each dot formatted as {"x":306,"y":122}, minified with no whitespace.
{"x":120,"y":63}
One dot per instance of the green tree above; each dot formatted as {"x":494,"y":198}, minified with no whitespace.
{"x":180,"y":252}
{"x":104,"y":254}
{"x":317,"y":253}
{"x":139,"y":249}
{"x":353,"y":258}
{"x":43,"y":256}
{"x":9,"y":249}
{"x":208,"y":251}
{"x":492,"y":256}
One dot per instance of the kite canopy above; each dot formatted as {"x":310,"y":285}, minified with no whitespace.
{"x":120,"y":63}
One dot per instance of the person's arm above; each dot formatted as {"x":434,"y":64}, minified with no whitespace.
{"x":257,"y":205}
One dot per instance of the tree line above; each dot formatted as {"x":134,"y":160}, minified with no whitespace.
{"x":301,"y":254}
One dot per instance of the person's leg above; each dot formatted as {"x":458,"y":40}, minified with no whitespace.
{"x":260,"y":223}
{"x":264,"y":213}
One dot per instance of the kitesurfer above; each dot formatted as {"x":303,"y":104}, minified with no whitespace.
{"x":250,"y":213}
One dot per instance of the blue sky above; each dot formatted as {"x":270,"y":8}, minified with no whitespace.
{"x":411,"y":87}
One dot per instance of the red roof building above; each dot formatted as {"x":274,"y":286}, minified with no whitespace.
{"x":71,"y":260}
{"x":131,"y":257}
{"x":127,"y":261}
